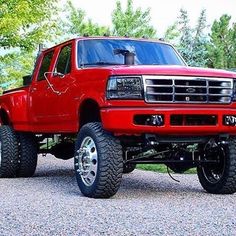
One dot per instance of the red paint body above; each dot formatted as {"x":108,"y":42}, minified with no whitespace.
{"x":36,"y":108}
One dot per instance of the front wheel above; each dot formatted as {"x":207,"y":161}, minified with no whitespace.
{"x":98,"y":162}
{"x":220,"y":177}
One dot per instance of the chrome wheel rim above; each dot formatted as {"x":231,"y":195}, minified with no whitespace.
{"x":86,"y":161}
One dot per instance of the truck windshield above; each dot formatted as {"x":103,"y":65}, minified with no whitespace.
{"x":100,"y":52}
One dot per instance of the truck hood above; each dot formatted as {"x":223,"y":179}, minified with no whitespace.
{"x":172,"y":70}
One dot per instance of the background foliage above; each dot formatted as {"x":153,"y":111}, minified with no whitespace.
{"x":23,"y":25}
{"x":26,"y":23}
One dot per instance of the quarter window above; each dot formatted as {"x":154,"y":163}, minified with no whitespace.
{"x":45,"y":65}
{"x":64,"y":60}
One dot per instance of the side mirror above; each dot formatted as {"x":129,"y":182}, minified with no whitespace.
{"x":129,"y":57}
{"x":27,"y":80}
{"x":60,"y":75}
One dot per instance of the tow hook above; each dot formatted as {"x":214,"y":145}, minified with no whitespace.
{"x":230,"y":120}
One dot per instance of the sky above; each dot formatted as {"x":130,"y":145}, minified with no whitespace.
{"x":163,"y":13}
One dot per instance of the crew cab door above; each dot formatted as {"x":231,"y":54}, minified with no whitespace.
{"x":60,"y":99}
{"x":38,"y":91}
{"x":51,"y":97}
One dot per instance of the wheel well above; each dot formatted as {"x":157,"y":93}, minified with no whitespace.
{"x":4,"y":118}
{"x":89,"y":112}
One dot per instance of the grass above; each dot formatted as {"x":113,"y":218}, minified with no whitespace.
{"x":161,"y":168}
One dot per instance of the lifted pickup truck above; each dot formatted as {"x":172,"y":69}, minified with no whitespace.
{"x":112,"y":103}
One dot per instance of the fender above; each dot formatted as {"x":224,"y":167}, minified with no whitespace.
{"x":15,"y":104}
{"x":88,"y":97}
{"x":92,"y":96}
{"x":4,"y":110}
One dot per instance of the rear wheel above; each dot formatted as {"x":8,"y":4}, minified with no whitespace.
{"x":28,"y":155}
{"x":220,"y":177}
{"x":98,"y":162}
{"x":8,"y":152}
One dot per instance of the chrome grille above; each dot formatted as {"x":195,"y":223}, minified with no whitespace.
{"x":177,"y":89}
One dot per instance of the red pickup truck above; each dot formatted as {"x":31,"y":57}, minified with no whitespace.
{"x":112,"y":103}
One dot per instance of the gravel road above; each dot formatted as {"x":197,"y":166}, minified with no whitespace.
{"x":147,"y":204}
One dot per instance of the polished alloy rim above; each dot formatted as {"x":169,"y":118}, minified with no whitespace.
{"x":86,"y":161}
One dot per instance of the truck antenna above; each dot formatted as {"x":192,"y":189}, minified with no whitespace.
{"x":41,"y":47}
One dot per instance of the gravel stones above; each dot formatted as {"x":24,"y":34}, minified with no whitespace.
{"x":147,"y":203}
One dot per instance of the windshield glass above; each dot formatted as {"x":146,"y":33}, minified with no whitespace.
{"x":102,"y":52}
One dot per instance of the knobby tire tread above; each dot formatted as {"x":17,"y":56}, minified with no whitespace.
{"x":9,"y":162}
{"x":111,"y":161}
{"x":27,"y":155}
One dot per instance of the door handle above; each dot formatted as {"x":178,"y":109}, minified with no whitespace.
{"x":33,"y":90}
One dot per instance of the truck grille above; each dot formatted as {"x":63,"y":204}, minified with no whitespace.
{"x":177,"y":89}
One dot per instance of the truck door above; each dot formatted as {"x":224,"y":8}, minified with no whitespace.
{"x":59,"y":105}
{"x":38,"y":91}
{"x":51,"y":102}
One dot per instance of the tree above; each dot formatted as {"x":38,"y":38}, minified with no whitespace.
{"x":190,"y":41}
{"x":24,"y":24}
{"x":222,"y":44}
{"x":78,"y":25}
{"x":233,"y":35}
{"x":16,"y":65}
{"x":186,"y":38}
{"x":172,"y":34}
{"x":200,"y":40}
{"x":130,"y":22}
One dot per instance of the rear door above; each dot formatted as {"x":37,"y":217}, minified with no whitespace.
{"x":39,"y":88}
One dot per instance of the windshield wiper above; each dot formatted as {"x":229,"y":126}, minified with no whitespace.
{"x":98,"y":63}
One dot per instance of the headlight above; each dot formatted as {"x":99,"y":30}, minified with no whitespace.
{"x":125,"y":87}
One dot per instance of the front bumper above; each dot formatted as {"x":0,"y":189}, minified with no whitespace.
{"x":122,"y":121}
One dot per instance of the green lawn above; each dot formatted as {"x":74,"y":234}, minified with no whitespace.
{"x":160,"y":168}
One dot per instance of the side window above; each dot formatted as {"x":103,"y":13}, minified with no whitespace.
{"x":45,"y":65}
{"x":64,"y":60}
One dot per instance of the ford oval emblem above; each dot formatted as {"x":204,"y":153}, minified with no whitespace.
{"x":191,"y":90}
